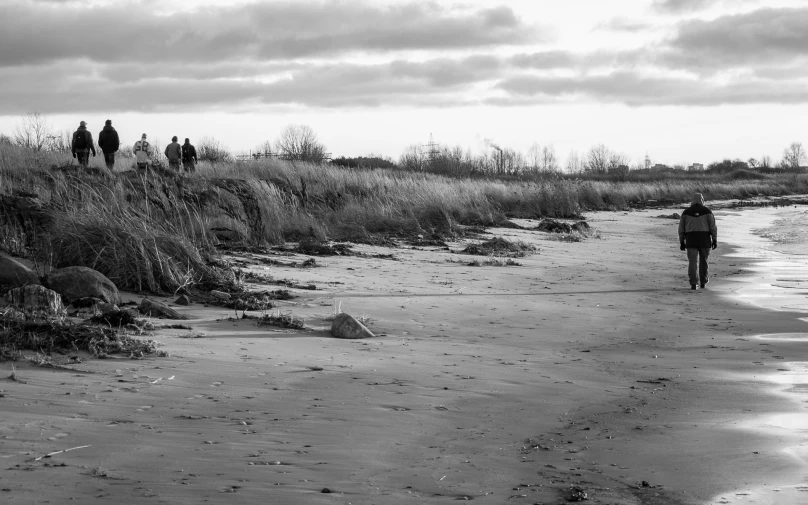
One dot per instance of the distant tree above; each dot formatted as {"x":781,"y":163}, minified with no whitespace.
{"x":574,"y":164}
{"x":413,"y":158}
{"x":33,"y":132}
{"x":766,"y":162}
{"x":549,"y":161}
{"x":364,"y":162}
{"x":794,"y":156}
{"x":597,"y":159}
{"x":300,"y":143}
{"x":5,"y":139}
{"x":752,"y":162}
{"x":727,"y":165}
{"x":534,"y":157}
{"x":208,"y":149}
{"x":265,"y":147}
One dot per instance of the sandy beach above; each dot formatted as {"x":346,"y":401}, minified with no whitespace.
{"x":591,"y":367}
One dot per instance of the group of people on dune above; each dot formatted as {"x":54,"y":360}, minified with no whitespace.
{"x":180,"y":157}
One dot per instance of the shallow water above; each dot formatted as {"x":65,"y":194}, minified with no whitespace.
{"x":777,"y":242}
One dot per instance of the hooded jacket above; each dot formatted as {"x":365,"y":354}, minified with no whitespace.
{"x":697,"y":227}
{"x":108,"y":140}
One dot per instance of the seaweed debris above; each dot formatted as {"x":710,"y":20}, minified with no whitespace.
{"x":57,"y":335}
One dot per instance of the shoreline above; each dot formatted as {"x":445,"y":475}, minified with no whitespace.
{"x":763,"y":288}
{"x":618,"y":375}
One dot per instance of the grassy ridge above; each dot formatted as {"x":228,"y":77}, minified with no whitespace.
{"x":151,"y":231}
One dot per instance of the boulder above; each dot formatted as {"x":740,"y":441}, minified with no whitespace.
{"x":183,"y":300}
{"x":14,"y":274}
{"x":82,"y":282}
{"x":34,"y":299}
{"x":346,"y":326}
{"x":159,"y":310}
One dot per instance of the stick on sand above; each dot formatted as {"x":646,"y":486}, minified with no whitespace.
{"x":59,"y":452}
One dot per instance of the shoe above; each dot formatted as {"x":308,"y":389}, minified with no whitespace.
{"x":693,"y":286}
{"x":703,"y":284}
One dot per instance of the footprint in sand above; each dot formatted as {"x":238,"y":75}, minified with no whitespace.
{"x":58,"y":436}
{"x":144,"y":407}
{"x":217,"y":384}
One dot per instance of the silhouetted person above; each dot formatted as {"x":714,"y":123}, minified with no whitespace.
{"x":697,"y":233}
{"x":82,"y":144}
{"x":143,"y":152}
{"x":109,"y":143}
{"x":174,"y":154}
{"x":188,"y":156}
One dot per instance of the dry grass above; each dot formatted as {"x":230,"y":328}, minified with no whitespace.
{"x":153,"y":231}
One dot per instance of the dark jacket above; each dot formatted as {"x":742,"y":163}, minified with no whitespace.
{"x":108,"y":140}
{"x":88,"y":138}
{"x":173,"y":152}
{"x":697,"y":227}
{"x":188,"y":152}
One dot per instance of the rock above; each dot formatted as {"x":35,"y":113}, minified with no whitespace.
{"x":82,"y":282}
{"x":221,"y":295}
{"x":34,"y":299}
{"x":14,"y":274}
{"x":183,"y":300}
{"x":577,"y":494}
{"x":669,"y":216}
{"x":345,"y":326}
{"x":154,"y":308}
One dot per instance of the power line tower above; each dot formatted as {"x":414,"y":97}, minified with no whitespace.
{"x":431,"y":150}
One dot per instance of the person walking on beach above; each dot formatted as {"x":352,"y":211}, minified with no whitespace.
{"x":174,"y":154}
{"x":698,"y":234}
{"x":143,"y":152}
{"x":109,"y":143}
{"x":82,"y":144}
{"x":188,"y":156}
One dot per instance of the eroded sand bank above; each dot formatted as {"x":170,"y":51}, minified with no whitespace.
{"x":591,"y":365}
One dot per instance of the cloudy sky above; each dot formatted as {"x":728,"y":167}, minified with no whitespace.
{"x":681,"y":80}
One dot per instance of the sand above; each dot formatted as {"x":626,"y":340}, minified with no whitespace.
{"x":591,"y":365}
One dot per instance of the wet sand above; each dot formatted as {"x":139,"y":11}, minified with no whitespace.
{"x":591,"y":365}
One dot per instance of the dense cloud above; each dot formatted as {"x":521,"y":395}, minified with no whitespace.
{"x":253,"y":32}
{"x":682,"y":6}
{"x":761,"y":36}
{"x":637,"y":90}
{"x":351,"y":54}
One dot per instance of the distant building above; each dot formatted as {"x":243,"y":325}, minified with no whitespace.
{"x":696,"y":167}
{"x":660,"y":166}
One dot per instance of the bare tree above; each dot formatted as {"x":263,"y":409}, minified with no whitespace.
{"x":794,"y":155}
{"x":549,"y":161}
{"x":752,"y":162}
{"x":574,"y":164}
{"x":766,"y":162}
{"x":413,"y":158}
{"x":534,"y":156}
{"x":299,"y":142}
{"x":597,"y":159}
{"x":33,"y":132}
